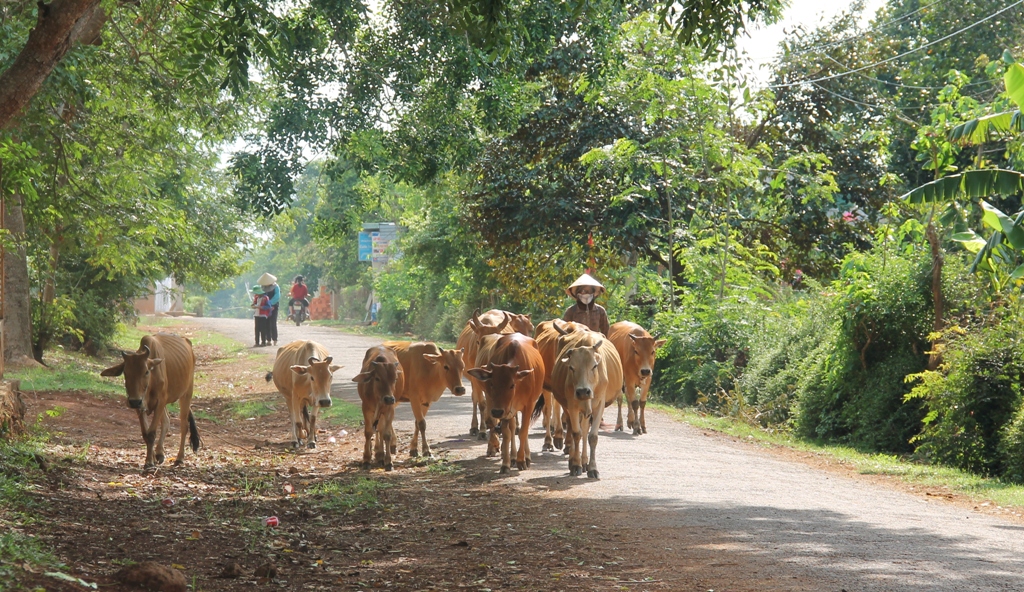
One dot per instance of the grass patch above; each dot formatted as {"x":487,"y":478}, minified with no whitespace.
{"x":342,"y":413}
{"x":247,"y":409}
{"x":128,"y":337}
{"x":336,"y":494}
{"x":205,"y":416}
{"x":68,"y":371}
{"x":980,"y":489}
{"x":17,"y":465}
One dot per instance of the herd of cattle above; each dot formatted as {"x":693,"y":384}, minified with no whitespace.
{"x":561,"y":370}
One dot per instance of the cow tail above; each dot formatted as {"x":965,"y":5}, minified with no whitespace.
{"x":193,"y":432}
{"x":269,"y":376}
{"x":538,"y":409}
{"x":305,"y":414}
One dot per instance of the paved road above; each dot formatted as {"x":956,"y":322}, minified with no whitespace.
{"x":752,"y":520}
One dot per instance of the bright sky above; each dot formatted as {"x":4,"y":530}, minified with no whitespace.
{"x":763,"y":43}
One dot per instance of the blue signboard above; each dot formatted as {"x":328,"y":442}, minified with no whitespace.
{"x":365,"y":246}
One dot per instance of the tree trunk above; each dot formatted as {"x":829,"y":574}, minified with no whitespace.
{"x":939,"y":322}
{"x":17,"y":317}
{"x":59,"y":25}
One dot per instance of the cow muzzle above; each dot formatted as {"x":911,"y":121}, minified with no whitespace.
{"x":584,"y":393}
{"x":497,"y":413}
{"x":389,"y":399}
{"x":459,"y":390}
{"x":135,"y":403}
{"x":325,"y":402}
{"x":645,"y":372}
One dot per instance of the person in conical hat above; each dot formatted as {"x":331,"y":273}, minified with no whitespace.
{"x":586,"y":311}
{"x":273,"y":292}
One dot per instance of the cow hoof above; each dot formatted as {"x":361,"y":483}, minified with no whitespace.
{"x":366,"y":466}
{"x":474,"y":431}
{"x":179,"y":461}
{"x":547,"y":448}
{"x":559,"y":443}
{"x":389,"y":467}
{"x":414,"y":453}
{"x":504,"y":470}
{"x":618,"y":428}
{"x":483,"y":435}
{"x":575,"y":471}
{"x":522,"y":465}
{"x":643,"y":430}
{"x":592,"y":474}
{"x":311,"y":445}
{"x":160,"y":459}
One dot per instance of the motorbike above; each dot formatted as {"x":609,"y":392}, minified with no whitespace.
{"x":301,"y":313}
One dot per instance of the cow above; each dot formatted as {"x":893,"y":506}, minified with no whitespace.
{"x":492,"y":322}
{"x":587,"y":377}
{"x":158,"y":374}
{"x":380,"y":383}
{"x":428,"y":370}
{"x":637,"y":349}
{"x":546,"y":336}
{"x":512,"y":379}
{"x":303,"y":374}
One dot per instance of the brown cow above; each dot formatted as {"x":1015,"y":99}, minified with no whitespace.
{"x":513,"y":379}
{"x":546,"y":335}
{"x":380,"y":383}
{"x":160,"y":373}
{"x":492,"y":322}
{"x":303,"y":385}
{"x":428,"y":370}
{"x":637,"y":349}
{"x":587,"y":377}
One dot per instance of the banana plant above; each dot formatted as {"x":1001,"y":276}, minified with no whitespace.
{"x":997,"y":125}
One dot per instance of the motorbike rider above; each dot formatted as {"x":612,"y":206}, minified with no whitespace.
{"x":298,"y":293}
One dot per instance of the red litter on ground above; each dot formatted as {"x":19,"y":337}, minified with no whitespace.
{"x":167,"y":502}
{"x":271,"y":521}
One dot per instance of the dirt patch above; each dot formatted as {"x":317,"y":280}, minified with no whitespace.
{"x":433,"y":525}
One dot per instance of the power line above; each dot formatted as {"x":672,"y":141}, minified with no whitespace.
{"x":904,"y":54}
{"x":901,"y":85}
{"x":868,"y":30}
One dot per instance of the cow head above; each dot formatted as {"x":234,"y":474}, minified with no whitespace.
{"x":320,"y":374}
{"x":499,"y":382}
{"x":451,"y":363}
{"x":521,"y":323}
{"x":137,"y":369}
{"x":583,"y":374}
{"x":644,"y":351}
{"x":382,"y":376}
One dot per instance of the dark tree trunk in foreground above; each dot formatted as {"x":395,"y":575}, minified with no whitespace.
{"x":59,"y":25}
{"x":17,"y":319}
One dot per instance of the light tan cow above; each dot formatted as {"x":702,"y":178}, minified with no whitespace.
{"x":158,"y":374}
{"x":491,"y":322}
{"x":428,"y":370}
{"x":637,"y":349}
{"x":586,"y":379}
{"x":303,"y":374}
{"x":546,"y":336}
{"x":513,"y":379}
{"x":380,"y":382}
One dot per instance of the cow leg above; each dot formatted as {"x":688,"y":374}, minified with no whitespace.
{"x":295,"y":414}
{"x":493,"y":443}
{"x":144,"y":426}
{"x":486,"y":425}
{"x":474,"y":428}
{"x":151,"y":436}
{"x":368,"y":429}
{"x":386,"y":434}
{"x":595,"y":425}
{"x":184,"y":411}
{"x":421,"y":425}
{"x":618,"y":422}
{"x":560,"y":423}
{"x":548,"y":445}
{"x":643,"y":419}
{"x":506,"y":442}
{"x":159,"y":448}
{"x":311,"y":426}
{"x":575,"y":468}
{"x":523,"y":457}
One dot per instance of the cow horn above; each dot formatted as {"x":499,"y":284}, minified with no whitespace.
{"x":504,"y":322}
{"x":328,"y":359}
{"x":125,"y":354}
{"x":475,"y":321}
{"x":558,"y":328}
{"x":311,"y":360}
{"x":145,"y":349}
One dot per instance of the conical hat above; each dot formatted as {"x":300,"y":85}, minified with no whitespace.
{"x":584,"y":280}
{"x":267,"y":280}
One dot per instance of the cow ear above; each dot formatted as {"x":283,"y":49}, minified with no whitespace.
{"x":523,"y":374}
{"x":362,"y":377}
{"x":114,"y":370}
{"x":154,"y":362}
{"x":527,"y":317}
{"x":300,"y":369}
{"x":335,"y":367}
{"x":432,"y":358}
{"x":479,"y":374}
{"x":659,"y":343}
